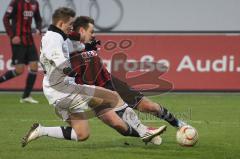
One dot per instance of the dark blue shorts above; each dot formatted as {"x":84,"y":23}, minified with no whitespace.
{"x":131,"y":96}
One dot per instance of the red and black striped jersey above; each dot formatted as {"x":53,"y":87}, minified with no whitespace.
{"x":89,"y":68}
{"x":18,"y":19}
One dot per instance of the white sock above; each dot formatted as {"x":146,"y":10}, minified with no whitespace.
{"x":130,"y":117}
{"x":120,"y":107}
{"x":58,"y":132}
{"x":74,"y":135}
{"x":142,"y":130}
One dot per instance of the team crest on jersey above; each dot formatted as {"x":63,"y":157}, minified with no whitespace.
{"x":10,"y":9}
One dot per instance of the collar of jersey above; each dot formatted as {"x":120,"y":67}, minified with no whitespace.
{"x":57,"y":30}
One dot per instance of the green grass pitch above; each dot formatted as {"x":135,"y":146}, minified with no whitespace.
{"x":215,"y":116}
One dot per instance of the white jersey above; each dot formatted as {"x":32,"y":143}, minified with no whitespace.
{"x":55,"y":49}
{"x":54,"y":57}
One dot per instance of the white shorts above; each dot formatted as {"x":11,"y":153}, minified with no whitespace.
{"x":74,"y":103}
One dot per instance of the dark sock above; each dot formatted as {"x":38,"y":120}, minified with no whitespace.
{"x":66,"y":132}
{"x":120,"y":112}
{"x":29,"y":83}
{"x":8,"y":75}
{"x":167,"y":116}
{"x":130,"y":132}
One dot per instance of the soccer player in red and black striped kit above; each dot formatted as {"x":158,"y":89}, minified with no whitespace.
{"x":17,"y":21}
{"x":90,"y":70}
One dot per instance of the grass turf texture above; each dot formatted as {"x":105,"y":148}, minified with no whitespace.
{"x":216,"y":117}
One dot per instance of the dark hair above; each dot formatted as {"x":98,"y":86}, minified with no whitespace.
{"x":82,"y":21}
{"x":62,"y":13}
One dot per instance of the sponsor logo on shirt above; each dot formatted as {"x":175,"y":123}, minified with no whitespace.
{"x":28,"y":13}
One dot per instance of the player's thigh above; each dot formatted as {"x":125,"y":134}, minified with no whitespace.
{"x":71,"y":104}
{"x":146,"y":105}
{"x":103,"y":95}
{"x":131,"y":96}
{"x":106,"y":94}
{"x":33,"y":66}
{"x":98,"y":107}
{"x":19,"y":68}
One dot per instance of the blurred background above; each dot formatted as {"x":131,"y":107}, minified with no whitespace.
{"x":153,"y":15}
{"x":197,"y":40}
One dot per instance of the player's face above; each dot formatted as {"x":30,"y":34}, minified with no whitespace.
{"x":67,"y":26}
{"x":87,"y":34}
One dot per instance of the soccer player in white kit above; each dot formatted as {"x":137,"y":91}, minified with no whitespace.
{"x":69,"y":99}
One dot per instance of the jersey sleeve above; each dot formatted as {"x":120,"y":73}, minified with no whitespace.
{"x":10,"y":12}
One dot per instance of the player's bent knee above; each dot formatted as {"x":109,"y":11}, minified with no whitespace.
{"x":19,"y":70}
{"x":33,"y":71}
{"x":82,"y":136}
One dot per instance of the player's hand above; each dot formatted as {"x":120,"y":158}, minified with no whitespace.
{"x":16,"y":40}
